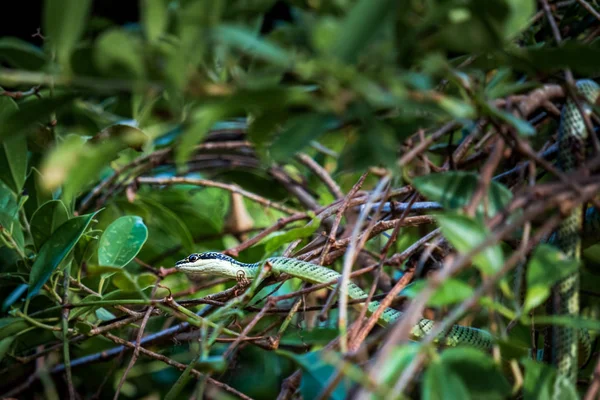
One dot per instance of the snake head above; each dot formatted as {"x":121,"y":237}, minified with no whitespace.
{"x":207,"y":263}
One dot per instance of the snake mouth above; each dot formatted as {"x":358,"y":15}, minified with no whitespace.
{"x":180,"y":263}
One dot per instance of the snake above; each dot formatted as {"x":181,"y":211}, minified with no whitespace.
{"x":572,"y":139}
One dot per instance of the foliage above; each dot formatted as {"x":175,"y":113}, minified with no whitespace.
{"x":240,"y":126}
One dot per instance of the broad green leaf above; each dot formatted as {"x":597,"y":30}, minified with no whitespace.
{"x":202,"y":122}
{"x":454,"y":190}
{"x":298,"y":132}
{"x":20,"y":54}
{"x":122,"y":241}
{"x":539,"y":380}
{"x":118,"y":52}
{"x":465,"y":234}
{"x":104,"y":315}
{"x":400,"y":358}
{"x":155,"y":17}
{"x":54,"y":251}
{"x":478,"y":372}
{"x":440,"y":382}
{"x":5,"y":345}
{"x":316,"y":375}
{"x":125,"y":282}
{"x":64,"y":23}
{"x":451,"y":291}
{"x":32,"y":112}
{"x":249,"y":43}
{"x":13,"y":152}
{"x":146,"y":280}
{"x":360,"y":25}
{"x":46,"y":220}
{"x":171,"y":223}
{"x":10,"y":326}
{"x":546,"y":267}
{"x":520,"y":14}
{"x":278,"y":239}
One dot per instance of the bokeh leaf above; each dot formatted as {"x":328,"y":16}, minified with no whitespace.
{"x":546,"y":267}
{"x":454,"y":190}
{"x":64,"y":23}
{"x":465,"y":234}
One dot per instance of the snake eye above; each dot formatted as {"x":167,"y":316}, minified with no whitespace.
{"x":193,"y":258}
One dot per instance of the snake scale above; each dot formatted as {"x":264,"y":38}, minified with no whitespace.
{"x":566,"y":341}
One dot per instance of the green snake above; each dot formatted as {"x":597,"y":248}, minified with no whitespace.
{"x":567,"y":341}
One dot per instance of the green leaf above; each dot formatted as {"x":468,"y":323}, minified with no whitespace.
{"x":539,"y":380}
{"x":46,"y":220}
{"x":451,"y":291}
{"x":316,"y":375}
{"x":104,"y":315}
{"x":454,"y":190}
{"x":5,"y":345}
{"x":125,"y":282}
{"x":32,"y":112}
{"x":64,"y":23}
{"x":10,"y":326}
{"x":118,"y":52}
{"x":171,"y":223}
{"x":9,"y":215}
{"x":122,"y":241}
{"x":275,"y":240}
{"x":20,"y":54}
{"x":14,"y":296}
{"x":54,"y":251}
{"x":523,"y":127}
{"x":249,"y":43}
{"x":547,"y":266}
{"x":298,"y":132}
{"x":465,"y":234}
{"x":13,"y":152}
{"x":400,"y":358}
{"x":568,"y":321}
{"x":478,"y":372}
{"x":440,"y":382}
{"x":155,"y":17}
{"x":362,"y":23}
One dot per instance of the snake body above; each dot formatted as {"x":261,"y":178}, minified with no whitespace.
{"x":218,"y":264}
{"x":572,"y":143}
{"x":566,"y":341}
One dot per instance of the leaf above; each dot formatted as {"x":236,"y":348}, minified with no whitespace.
{"x":46,"y":220}
{"x":478,"y":372}
{"x":523,"y":127}
{"x":359,"y":27}
{"x":32,"y":112}
{"x":9,"y":215}
{"x":10,"y":326}
{"x":155,"y":16}
{"x":104,"y":315}
{"x":440,"y":382}
{"x":171,"y":223}
{"x":5,"y":345}
{"x":278,"y":239}
{"x":122,"y":241}
{"x":539,"y":380}
{"x":547,"y":266}
{"x":21,"y":54}
{"x":64,"y":23}
{"x":125,"y":282}
{"x":249,"y":43}
{"x":13,"y":152}
{"x":14,"y":296}
{"x":454,"y":190}
{"x":400,"y":358}
{"x":567,"y":321}
{"x":298,"y":132}
{"x":316,"y":375}
{"x":451,"y":291}
{"x":465,"y":234}
{"x":56,"y":248}
{"x":118,"y":52}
